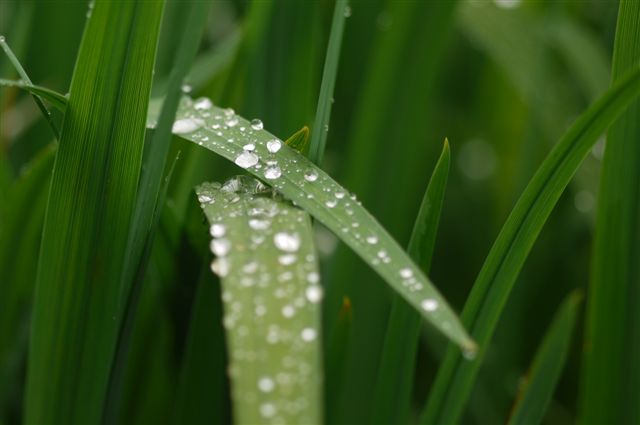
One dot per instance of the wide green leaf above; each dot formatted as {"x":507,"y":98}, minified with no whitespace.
{"x":612,"y":339}
{"x":491,"y":289}
{"x":265,"y":156}
{"x":91,"y":201}
{"x":266,"y":260}
{"x":536,"y":392}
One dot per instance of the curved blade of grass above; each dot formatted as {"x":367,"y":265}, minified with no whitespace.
{"x":293,"y":175}
{"x":534,"y":396}
{"x":325,"y":100}
{"x":91,"y":202}
{"x":395,"y":379}
{"x":56,"y":99}
{"x":271,"y":294}
{"x":613,"y":318}
{"x":23,"y":75}
{"x":491,"y":289}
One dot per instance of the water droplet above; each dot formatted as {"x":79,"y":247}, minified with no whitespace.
{"x":289,"y":242}
{"x":287,"y":259}
{"x":274,"y":145}
{"x":246,"y":159}
{"x":267,"y":410}
{"x":507,"y":4}
{"x":288,"y":311}
{"x":339,"y":195}
{"x":308,"y":334}
{"x":406,"y":273}
{"x":272,"y":173}
{"x":217,"y":230}
{"x":203,"y":104}
{"x":313,"y":277}
{"x":249,"y":147}
{"x":429,"y":304}
{"x":347,"y":11}
{"x":372,"y":240}
{"x":231,"y":121}
{"x":186,"y":88}
{"x":256,"y":124}
{"x":331,"y":203}
{"x":311,"y":176}
{"x":257,"y":224}
{"x":186,"y":125}
{"x":220,"y":247}
{"x":314,"y":293}
{"x":266,"y":384}
{"x":204,"y":199}
{"x":584,"y":201}
{"x":220,"y":266}
{"x":2,"y":38}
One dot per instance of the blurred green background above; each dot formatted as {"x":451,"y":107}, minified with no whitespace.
{"x":501,"y":80}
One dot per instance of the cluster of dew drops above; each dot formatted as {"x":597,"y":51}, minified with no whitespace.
{"x":261,"y":214}
{"x":246,"y":145}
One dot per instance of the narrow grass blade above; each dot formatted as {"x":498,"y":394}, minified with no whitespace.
{"x":323,"y":111}
{"x":56,"y":99}
{"x":395,"y":379}
{"x":271,"y":294}
{"x":201,"y":396}
{"x":484,"y":306}
{"x":91,"y":202}
{"x":534,"y":396}
{"x":611,"y":387}
{"x":265,"y":156}
{"x":23,"y":75}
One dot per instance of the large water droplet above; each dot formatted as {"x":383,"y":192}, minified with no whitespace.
{"x":246,"y":159}
{"x":272,"y":173}
{"x":217,"y":230}
{"x":186,"y":125}
{"x":220,"y":266}
{"x":289,"y":242}
{"x":258,"y":224}
{"x":203,"y":104}
{"x":429,"y":304}
{"x":314,"y":293}
{"x":311,"y":176}
{"x":266,"y":384}
{"x":406,"y":273}
{"x":267,"y":410}
{"x":274,"y":145}
{"x":256,"y":124}
{"x":308,"y":334}
{"x":220,"y":247}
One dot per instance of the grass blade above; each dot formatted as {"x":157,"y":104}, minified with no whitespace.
{"x":496,"y":278}
{"x":56,"y":99}
{"x":323,"y":111}
{"x":251,"y":147}
{"x":613,"y":317}
{"x":89,"y":211}
{"x":534,"y":396}
{"x":23,"y":75}
{"x":271,"y":302}
{"x":395,"y":380}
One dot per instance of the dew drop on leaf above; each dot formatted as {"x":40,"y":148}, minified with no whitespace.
{"x":246,"y":159}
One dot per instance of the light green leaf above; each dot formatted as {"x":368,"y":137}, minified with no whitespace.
{"x":56,"y":99}
{"x":271,"y":293}
{"x":297,"y":178}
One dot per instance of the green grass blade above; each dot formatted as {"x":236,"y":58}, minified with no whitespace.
{"x":489,"y":294}
{"x":299,"y":141}
{"x":91,"y":202}
{"x":613,"y":315}
{"x":251,"y":147}
{"x":323,"y":111}
{"x":535,"y":394}
{"x":271,"y":293}
{"x":23,"y":75}
{"x":336,"y":361}
{"x":56,"y":99}
{"x":397,"y":367}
